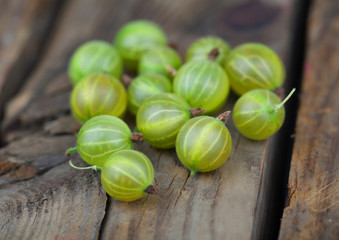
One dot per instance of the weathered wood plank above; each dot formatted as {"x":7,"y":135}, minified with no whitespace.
{"x":60,"y":204}
{"x":313,"y":205}
{"x":217,"y":205}
{"x":24,"y":28}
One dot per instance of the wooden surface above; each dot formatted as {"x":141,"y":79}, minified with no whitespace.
{"x":41,"y":197}
{"x":24,"y":28}
{"x":312,"y":210}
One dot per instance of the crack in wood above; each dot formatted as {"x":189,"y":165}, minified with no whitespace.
{"x":38,"y":173}
{"x":169,"y":186}
{"x":181,"y":190}
{"x":212,"y":221}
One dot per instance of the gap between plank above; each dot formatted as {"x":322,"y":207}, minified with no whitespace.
{"x":104,"y":220}
{"x":273,"y":185}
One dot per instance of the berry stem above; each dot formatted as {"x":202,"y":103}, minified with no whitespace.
{"x":171,"y":70}
{"x":192,"y":172}
{"x":197,"y":111}
{"x":285,"y":100}
{"x":137,"y":137}
{"x":95,"y":167}
{"x":70,"y":150}
{"x":126,"y":80}
{"x":224,"y":116}
{"x":214,"y":53}
{"x":151,"y":190}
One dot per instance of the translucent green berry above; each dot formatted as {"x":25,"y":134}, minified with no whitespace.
{"x":158,"y":59}
{"x":101,"y":136}
{"x":202,"y":84}
{"x":135,"y":37}
{"x":251,"y":66}
{"x":200,"y":49}
{"x":258,"y":114}
{"x":160,"y":118}
{"x":128,"y":175}
{"x":98,"y":94}
{"x":145,"y":86}
{"x":94,"y":57}
{"x":203,"y":144}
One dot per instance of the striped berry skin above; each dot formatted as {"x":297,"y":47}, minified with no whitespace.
{"x":98,"y":94}
{"x":157,"y":59}
{"x":145,"y":86}
{"x":200,"y":49}
{"x":135,"y":37}
{"x":256,"y":116}
{"x":202,"y":84}
{"x":127,"y":174}
{"x":94,"y":57}
{"x":203,"y":144}
{"x":101,"y":136}
{"x":160,"y":118}
{"x":251,"y":66}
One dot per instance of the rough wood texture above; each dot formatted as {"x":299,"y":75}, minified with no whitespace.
{"x":313,"y":207}
{"x":24,"y":27}
{"x":215,"y":205}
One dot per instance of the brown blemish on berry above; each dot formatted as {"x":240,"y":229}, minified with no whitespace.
{"x":214,"y":53}
{"x":197,"y":111}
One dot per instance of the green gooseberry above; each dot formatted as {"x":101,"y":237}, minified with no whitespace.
{"x":127,"y":175}
{"x":158,"y":59}
{"x":98,"y":94}
{"x":94,"y":57}
{"x":144,"y":86}
{"x":202,"y":84}
{"x":204,"y":143}
{"x":135,"y":37}
{"x":253,"y":65}
{"x":160,"y":118}
{"x":101,"y":136}
{"x":202,"y":48}
{"x":259,"y":113}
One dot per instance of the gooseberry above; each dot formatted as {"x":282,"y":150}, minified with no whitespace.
{"x":157,"y":60}
{"x":135,"y":37}
{"x":96,"y":95}
{"x":204,"y":143}
{"x":259,"y":113}
{"x":101,"y":136}
{"x":144,"y":86}
{"x":94,"y":57}
{"x":127,"y":175}
{"x":160,"y":118}
{"x":253,"y":65}
{"x":201,"y":49}
{"x":202,"y":84}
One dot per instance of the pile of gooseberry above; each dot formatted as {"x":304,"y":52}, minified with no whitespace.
{"x":167,"y":98}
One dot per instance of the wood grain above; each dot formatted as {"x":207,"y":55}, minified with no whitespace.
{"x":313,"y":201}
{"x":24,"y":28}
{"x":215,"y":205}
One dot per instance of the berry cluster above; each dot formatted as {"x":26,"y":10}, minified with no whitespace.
{"x":167,"y":99}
